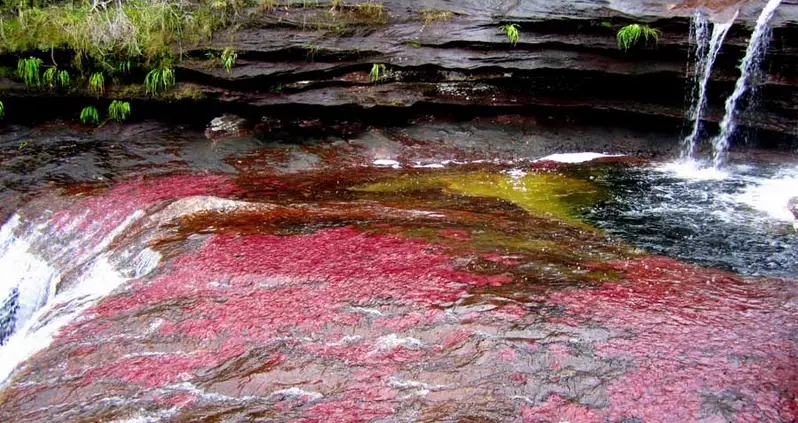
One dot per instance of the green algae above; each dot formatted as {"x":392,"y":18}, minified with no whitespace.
{"x":543,"y":194}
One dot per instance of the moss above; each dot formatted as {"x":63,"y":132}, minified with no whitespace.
{"x":548,"y":195}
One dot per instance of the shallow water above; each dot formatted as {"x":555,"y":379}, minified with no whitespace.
{"x":336,"y":280}
{"x":734,"y":219}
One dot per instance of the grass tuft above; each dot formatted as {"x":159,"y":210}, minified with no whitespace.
{"x":159,"y":80}
{"x":229,"y":57}
{"x":89,"y":115}
{"x":630,"y":35}
{"x":2,"y":110}
{"x":119,"y":110}
{"x":28,"y":71}
{"x":63,"y":78}
{"x":511,"y":31}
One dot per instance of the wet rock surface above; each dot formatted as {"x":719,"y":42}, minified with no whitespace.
{"x":265,"y":281}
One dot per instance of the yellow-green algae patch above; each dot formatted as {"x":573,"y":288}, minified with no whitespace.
{"x":544,"y":194}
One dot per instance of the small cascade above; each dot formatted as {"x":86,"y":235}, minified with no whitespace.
{"x":706,"y":52}
{"x":757,"y":46}
{"x":54,"y":269}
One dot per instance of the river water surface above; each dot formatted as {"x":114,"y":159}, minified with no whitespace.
{"x":434,"y":273}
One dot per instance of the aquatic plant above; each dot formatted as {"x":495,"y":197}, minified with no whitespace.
{"x":378,"y":72}
{"x":119,"y":110}
{"x":89,"y":115}
{"x":630,"y":35}
{"x":97,"y":83}
{"x":229,"y":57}
{"x":28,"y":70}
{"x":159,"y":79}
{"x":511,"y":31}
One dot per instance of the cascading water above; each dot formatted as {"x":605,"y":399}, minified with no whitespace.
{"x":757,"y":46}
{"x":706,"y":52}
{"x":53,"y":270}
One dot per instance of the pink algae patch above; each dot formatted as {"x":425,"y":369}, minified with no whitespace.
{"x":101,"y":214}
{"x":704,"y":343}
{"x":250,"y":290}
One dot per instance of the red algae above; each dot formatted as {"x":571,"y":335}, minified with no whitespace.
{"x":696,"y":338}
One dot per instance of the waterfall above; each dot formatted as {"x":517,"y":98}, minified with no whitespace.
{"x":753,"y":57}
{"x":50,"y":276}
{"x":705,"y":54}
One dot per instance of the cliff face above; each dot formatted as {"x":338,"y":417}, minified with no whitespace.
{"x":308,"y":60}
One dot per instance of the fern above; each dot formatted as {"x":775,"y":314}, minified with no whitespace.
{"x":63,"y":78}
{"x":630,"y":35}
{"x":119,"y":110}
{"x":28,"y":70}
{"x":229,"y":57}
{"x":511,"y":30}
{"x":89,"y":115}
{"x":378,"y":72}
{"x":2,"y":110}
{"x":49,"y":77}
{"x":97,"y":83}
{"x":159,"y":79}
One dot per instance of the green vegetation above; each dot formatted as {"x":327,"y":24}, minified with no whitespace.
{"x":378,"y":72}
{"x":511,"y":31}
{"x":140,"y":30}
{"x":630,"y":35}
{"x":2,"y":110}
{"x":97,"y":84}
{"x":159,"y":79}
{"x":229,"y":57}
{"x":370,"y":11}
{"x":606,"y":24}
{"x":63,"y":78}
{"x":119,"y":110}
{"x":89,"y":115}
{"x":429,"y":16}
{"x":28,"y":71}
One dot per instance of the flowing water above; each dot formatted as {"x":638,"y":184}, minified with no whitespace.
{"x":706,"y":51}
{"x":757,"y":45}
{"x":441,"y":272}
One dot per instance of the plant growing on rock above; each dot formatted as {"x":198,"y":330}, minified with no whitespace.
{"x":89,"y":115}
{"x":119,"y":110}
{"x":378,"y":72}
{"x":2,"y":110}
{"x":229,"y":57}
{"x":431,"y":15}
{"x":28,"y":71}
{"x":52,"y":77}
{"x":630,"y":35}
{"x":159,"y":79}
{"x":511,"y":31}
{"x":97,"y":83}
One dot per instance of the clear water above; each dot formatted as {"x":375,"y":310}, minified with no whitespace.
{"x":734,"y":219}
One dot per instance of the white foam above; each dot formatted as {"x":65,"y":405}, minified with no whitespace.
{"x":386,"y":163}
{"x":770,"y":196}
{"x":392,"y":341}
{"x":693,"y":170}
{"x":574,"y":157}
{"x":43,"y":310}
